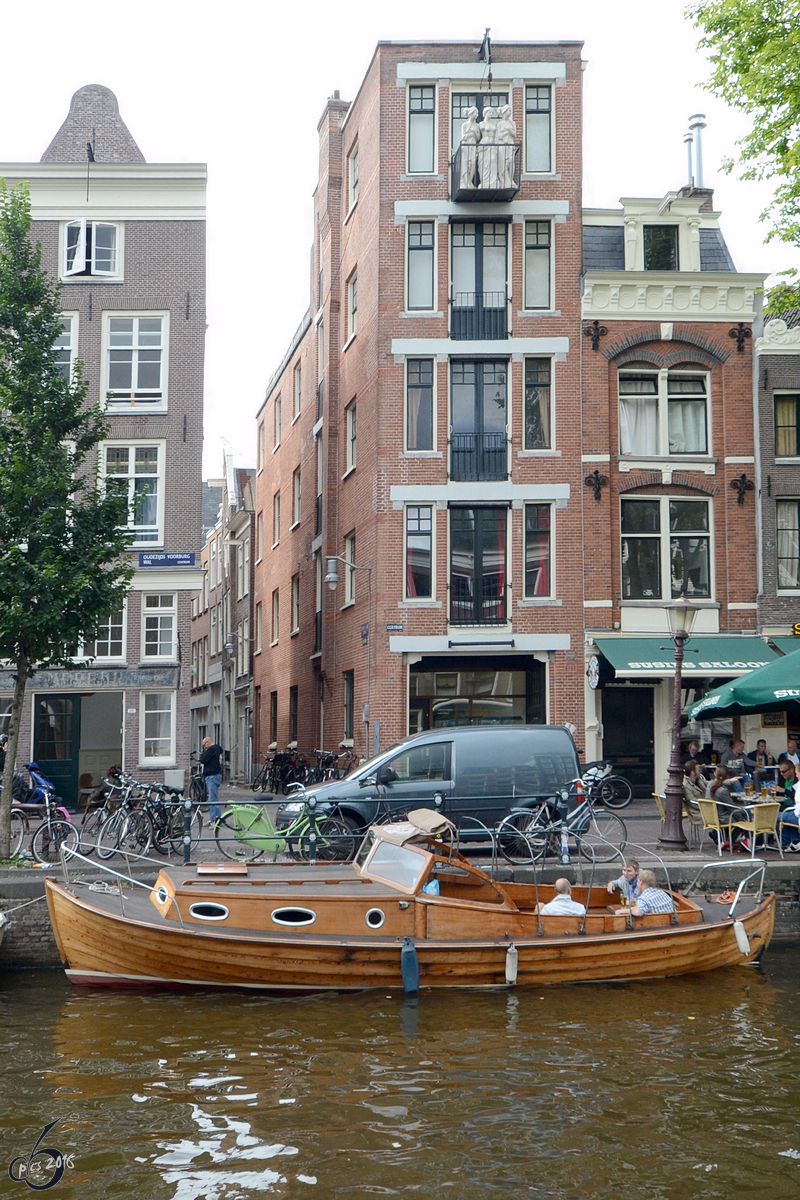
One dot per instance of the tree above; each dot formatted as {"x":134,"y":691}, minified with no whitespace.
{"x":755,"y":58}
{"x":62,"y":563}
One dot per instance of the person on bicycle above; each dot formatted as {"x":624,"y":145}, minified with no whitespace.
{"x":211,"y":758}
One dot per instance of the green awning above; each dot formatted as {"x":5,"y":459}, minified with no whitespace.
{"x":773,"y":688}
{"x":787,"y":644}
{"x":717,"y":654}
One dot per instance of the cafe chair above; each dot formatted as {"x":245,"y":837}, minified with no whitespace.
{"x":660,"y":805}
{"x":714,"y":820}
{"x":763,"y":824}
{"x":694,"y":819}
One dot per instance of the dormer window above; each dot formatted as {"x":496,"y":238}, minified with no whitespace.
{"x":661,"y":247}
{"x":91,"y":248}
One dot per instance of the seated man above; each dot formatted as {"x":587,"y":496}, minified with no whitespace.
{"x":789,"y":816}
{"x":626,"y":884}
{"x":651,"y":899}
{"x":762,"y":758}
{"x":562,"y":904}
{"x":738,"y":764}
{"x":694,"y":785}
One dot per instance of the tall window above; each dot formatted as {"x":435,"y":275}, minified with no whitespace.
{"x":160,"y":616}
{"x":293,"y":706}
{"x":352,"y":177}
{"x":297,"y":389}
{"x":295,"y":603}
{"x":320,"y":368}
{"x":276,"y":518}
{"x":537,"y":550}
{"x":110,"y":640}
{"x":157,"y":727}
{"x":278,"y":420}
{"x":349,"y":702}
{"x":273,"y":716}
{"x":135,"y":471}
{"x":351,"y":436}
{"x":788,"y":520}
{"x":477,"y":565}
{"x":419,"y":551}
{"x":421,"y":129}
{"x":537,"y":264}
{"x":538,"y":126}
{"x":135,"y":360}
{"x":419,"y":404}
{"x":787,"y":425}
{"x":352,"y":305}
{"x":259,"y":536}
{"x":243,"y":647}
{"x":259,"y":629}
{"x":663,"y":413}
{"x":537,"y":404}
{"x":276,"y":615}
{"x":65,"y":347}
{"x":91,"y":248}
{"x":296,"y":497}
{"x":665,"y":539}
{"x":660,"y":247}
{"x":478,"y":266}
{"x":478,"y":419}
{"x":350,"y":574}
{"x":320,"y":486}
{"x":243,"y":568}
{"x":318,"y":580}
{"x":260,"y":454}
{"x":212,"y":631}
{"x":420,"y":265}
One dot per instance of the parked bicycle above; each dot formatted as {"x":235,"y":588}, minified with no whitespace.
{"x":612,"y":791}
{"x":55,"y":831}
{"x":246,"y":831}
{"x":529,"y":834}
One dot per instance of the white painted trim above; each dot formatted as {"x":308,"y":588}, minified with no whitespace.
{"x":163,"y":761}
{"x":595,"y":458}
{"x":156,"y":579}
{"x":422,"y":601}
{"x":598,"y":604}
{"x":741,"y":458}
{"x":422,"y":209}
{"x":122,"y":408}
{"x":476,"y":493}
{"x":431,"y":72}
{"x":425,"y":347}
{"x":483,"y":641}
{"x":117,"y":191}
{"x":736,"y":604}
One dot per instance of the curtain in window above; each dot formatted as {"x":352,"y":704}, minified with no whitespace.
{"x":788,"y":545}
{"x":638,"y":424}
{"x":687,"y":427}
{"x":786,"y":425}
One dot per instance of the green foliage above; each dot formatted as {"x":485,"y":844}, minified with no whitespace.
{"x":755,"y":57}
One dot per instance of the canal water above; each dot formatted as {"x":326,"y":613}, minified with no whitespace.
{"x":684,"y":1088}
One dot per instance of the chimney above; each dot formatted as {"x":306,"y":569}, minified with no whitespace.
{"x":697,"y":122}
{"x":689,"y":176}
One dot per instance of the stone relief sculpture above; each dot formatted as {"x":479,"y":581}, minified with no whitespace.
{"x":778,"y":335}
{"x":470,"y":136}
{"x":487,"y":149}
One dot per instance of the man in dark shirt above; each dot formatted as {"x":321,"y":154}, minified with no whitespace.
{"x":211,"y":758}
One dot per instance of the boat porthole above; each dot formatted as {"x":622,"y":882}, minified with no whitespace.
{"x":375,"y":918}
{"x":208,"y":912}
{"x":294,"y":916}
{"x":162,"y":895}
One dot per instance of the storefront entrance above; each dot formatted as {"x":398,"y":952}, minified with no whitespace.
{"x":628,"y":735}
{"x":476,"y":690}
{"x":77,"y":738}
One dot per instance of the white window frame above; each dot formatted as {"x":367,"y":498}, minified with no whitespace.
{"x":539,"y":597}
{"x":259,"y":619}
{"x":122,"y":656}
{"x":212,"y":631}
{"x":788,"y":589}
{"x":163,"y":760}
{"x":243,"y":568}
{"x":662,"y":447}
{"x":71,"y":322}
{"x":276,"y":617}
{"x":261,"y":448}
{"x":421,"y":600}
{"x":259,"y":536}
{"x":122,"y":404}
{"x":352,"y":178}
{"x":352,"y":306}
{"x":434,"y":260}
{"x":277,"y":421}
{"x":297,"y":497}
{"x":665,"y":536}
{"x":540,"y":450}
{"x":133,"y":444}
{"x":349,"y":570}
{"x":420,"y":83}
{"x":276,"y":519}
{"x":433,"y":452}
{"x":212,"y":564}
{"x":295,"y":604}
{"x":243,"y":647}
{"x":553,"y":93}
{"x":551,"y":260}
{"x":153,"y":612}
{"x":351,"y":431}
{"x":297,"y":389}
{"x":80,"y":256}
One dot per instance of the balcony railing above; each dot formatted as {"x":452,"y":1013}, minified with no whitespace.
{"x":485,"y":172}
{"x":479,"y":315}
{"x":478,"y":456}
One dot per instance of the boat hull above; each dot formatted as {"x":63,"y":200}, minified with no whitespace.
{"x":103,"y":947}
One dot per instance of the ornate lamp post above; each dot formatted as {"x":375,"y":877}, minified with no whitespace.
{"x":682,"y":615}
{"x":332,"y":580}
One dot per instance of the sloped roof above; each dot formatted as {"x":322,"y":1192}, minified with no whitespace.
{"x":94,"y":118}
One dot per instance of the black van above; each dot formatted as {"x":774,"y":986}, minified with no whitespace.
{"x":480,"y":771}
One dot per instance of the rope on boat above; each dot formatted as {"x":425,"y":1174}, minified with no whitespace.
{"x":17,"y":907}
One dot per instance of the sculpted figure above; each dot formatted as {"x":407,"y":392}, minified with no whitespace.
{"x":487,"y":159}
{"x":506,"y":132}
{"x":470,"y":136}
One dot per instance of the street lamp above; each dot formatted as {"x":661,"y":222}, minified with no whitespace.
{"x":332,"y":580}
{"x":682,"y":614}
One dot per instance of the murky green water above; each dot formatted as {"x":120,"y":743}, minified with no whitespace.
{"x":686,"y":1088}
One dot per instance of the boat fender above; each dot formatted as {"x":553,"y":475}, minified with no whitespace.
{"x":512,"y":962}
{"x":409,"y":967}
{"x":742,"y":940}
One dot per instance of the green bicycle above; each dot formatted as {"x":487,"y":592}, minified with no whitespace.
{"x":246,"y":831}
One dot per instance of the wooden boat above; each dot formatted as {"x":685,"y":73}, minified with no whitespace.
{"x":409,"y":903}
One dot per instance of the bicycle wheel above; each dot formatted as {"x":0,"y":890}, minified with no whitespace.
{"x":602,"y":836}
{"x":177,"y":827}
{"x":89,"y":832}
{"x":50,"y":836}
{"x":523,"y":836}
{"x":197,"y":790}
{"x":615,"y":792}
{"x":228,"y":834}
{"x":137,"y":834}
{"x":335,"y":842}
{"x":109,"y":835}
{"x":19,"y":831}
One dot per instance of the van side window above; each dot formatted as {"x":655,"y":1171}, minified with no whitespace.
{"x":430,"y":762}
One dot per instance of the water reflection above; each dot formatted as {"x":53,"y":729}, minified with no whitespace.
{"x":678,"y":1089}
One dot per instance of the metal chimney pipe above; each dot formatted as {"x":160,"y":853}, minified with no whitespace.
{"x":688,"y":141}
{"x":697,"y":122}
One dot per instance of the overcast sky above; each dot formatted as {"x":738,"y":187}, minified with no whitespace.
{"x":242,"y":86}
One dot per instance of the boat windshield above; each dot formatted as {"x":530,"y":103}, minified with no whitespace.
{"x":397,"y":864}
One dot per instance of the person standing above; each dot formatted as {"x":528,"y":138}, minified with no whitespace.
{"x":211,"y":758}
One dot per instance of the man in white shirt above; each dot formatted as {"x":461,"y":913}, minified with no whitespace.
{"x":791,"y":752}
{"x":562,"y":904}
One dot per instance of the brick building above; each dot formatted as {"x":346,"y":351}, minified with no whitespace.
{"x":423,"y":430}
{"x":669,"y":460}
{"x":127,"y":240}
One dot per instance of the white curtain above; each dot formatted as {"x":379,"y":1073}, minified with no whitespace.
{"x":788,"y":545}
{"x":638,"y":424}
{"x":687,"y":427}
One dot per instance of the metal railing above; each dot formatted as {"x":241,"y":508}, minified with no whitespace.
{"x":478,"y":456}
{"x":486,"y":171}
{"x":479,"y":315}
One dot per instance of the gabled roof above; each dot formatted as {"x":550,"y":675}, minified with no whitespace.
{"x":93,"y":119}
